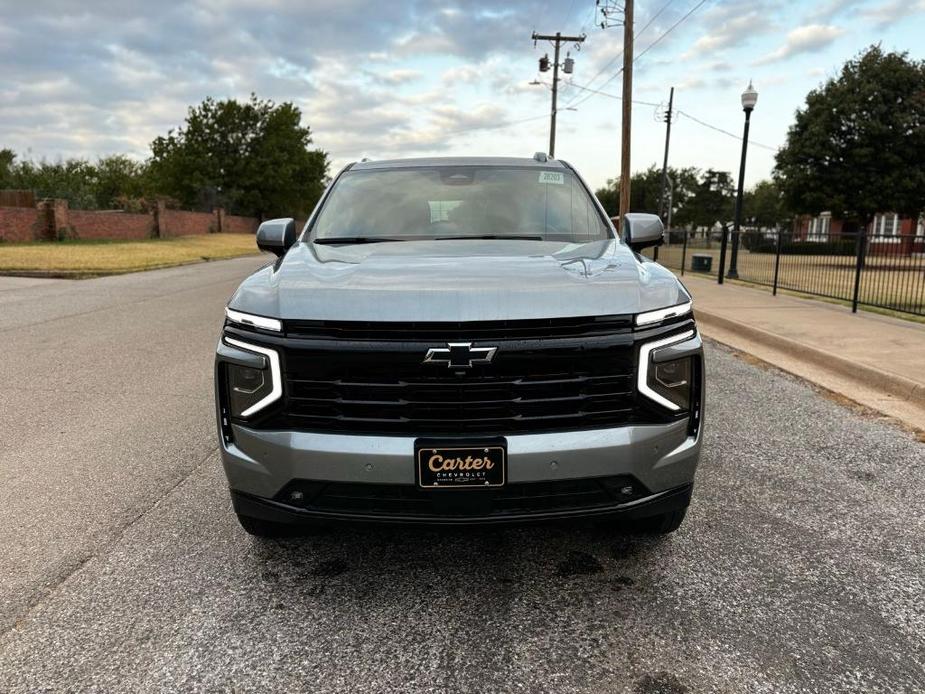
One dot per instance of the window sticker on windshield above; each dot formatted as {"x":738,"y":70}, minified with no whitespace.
{"x":552,"y":177}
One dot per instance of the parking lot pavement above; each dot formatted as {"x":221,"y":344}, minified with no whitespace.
{"x":799,"y":569}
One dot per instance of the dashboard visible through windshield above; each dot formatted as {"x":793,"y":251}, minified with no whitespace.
{"x":458,"y":202}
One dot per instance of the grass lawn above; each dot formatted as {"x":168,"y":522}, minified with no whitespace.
{"x":94,"y":258}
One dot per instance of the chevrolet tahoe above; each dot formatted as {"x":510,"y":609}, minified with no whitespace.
{"x":459,"y":340}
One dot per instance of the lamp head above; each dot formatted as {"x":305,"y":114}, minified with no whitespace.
{"x":749,"y":97}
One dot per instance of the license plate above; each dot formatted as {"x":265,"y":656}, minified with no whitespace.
{"x":461,"y":466}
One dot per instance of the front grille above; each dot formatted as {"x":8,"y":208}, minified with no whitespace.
{"x":409,"y":500}
{"x":530,"y":386}
{"x":533,"y":385}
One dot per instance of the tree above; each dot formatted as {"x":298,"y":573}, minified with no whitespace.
{"x":7,"y":162}
{"x":118,"y":178}
{"x":645,"y":188}
{"x":253,"y":158}
{"x":710,"y":200}
{"x":858,"y":146}
{"x":70,"y":179}
{"x":765,"y":206}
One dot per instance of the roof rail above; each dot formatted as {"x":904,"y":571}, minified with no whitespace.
{"x":540,"y":156}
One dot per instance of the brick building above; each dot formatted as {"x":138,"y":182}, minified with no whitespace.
{"x":889,"y":233}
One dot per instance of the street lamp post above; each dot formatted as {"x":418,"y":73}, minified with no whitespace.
{"x":749,"y":99}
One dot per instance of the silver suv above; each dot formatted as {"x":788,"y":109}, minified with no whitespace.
{"x":459,"y":340}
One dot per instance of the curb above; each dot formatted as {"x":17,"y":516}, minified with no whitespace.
{"x":869,"y":376}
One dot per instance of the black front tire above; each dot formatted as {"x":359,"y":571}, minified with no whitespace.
{"x":262,"y":528}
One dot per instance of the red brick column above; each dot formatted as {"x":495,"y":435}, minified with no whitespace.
{"x":55,"y":217}
{"x":160,"y":219}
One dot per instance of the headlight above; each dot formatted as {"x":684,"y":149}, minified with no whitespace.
{"x":663,"y":314}
{"x":668,"y":382}
{"x":251,"y":389}
{"x":672,"y":380}
{"x":273,"y":324}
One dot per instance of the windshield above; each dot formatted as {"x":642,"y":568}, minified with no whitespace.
{"x":459,"y":202}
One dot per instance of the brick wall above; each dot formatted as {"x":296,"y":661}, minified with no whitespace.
{"x":182,"y":223}
{"x":232,"y":224}
{"x":19,"y":224}
{"x":52,"y":219}
{"x":110,"y":224}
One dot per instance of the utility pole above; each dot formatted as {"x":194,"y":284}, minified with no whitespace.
{"x":610,"y":10}
{"x":567,"y":67}
{"x":627,"y":107}
{"x":668,"y":117}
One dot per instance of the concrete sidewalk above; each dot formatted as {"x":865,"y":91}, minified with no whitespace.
{"x":874,"y":360}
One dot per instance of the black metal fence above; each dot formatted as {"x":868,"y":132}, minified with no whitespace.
{"x":860,"y":268}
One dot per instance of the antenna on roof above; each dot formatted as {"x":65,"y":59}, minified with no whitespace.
{"x":540,"y":156}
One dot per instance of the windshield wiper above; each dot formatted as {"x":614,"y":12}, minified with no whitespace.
{"x":503,"y":237}
{"x":357,"y":239}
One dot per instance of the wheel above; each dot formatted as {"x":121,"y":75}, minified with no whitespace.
{"x":662,"y":524}
{"x":262,"y":528}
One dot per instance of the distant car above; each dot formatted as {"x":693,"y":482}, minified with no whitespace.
{"x":459,"y":340}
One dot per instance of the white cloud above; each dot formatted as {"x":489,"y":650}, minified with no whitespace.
{"x":399,"y":76}
{"x":805,"y":39}
{"x":890,"y":12}
{"x":828,"y":11}
{"x":729,"y":27}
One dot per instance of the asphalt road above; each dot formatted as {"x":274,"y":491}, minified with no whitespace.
{"x":800,"y":567}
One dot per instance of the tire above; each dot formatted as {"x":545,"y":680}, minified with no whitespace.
{"x":262,"y":528}
{"x":662,"y":524}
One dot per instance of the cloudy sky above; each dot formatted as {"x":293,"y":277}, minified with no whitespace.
{"x":426,"y":77}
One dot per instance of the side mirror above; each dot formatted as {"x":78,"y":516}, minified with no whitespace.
{"x":642,"y":230}
{"x":276,"y":235}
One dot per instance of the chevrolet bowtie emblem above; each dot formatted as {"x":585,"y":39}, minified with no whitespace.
{"x":460,"y":355}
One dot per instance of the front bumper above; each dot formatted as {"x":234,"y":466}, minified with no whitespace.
{"x":278,"y":512}
{"x":260,"y":464}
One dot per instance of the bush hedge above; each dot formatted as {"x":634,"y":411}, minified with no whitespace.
{"x":790,"y":247}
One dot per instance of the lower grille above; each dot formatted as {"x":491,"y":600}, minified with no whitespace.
{"x":409,"y":500}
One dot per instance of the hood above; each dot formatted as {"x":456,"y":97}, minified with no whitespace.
{"x":468,"y":280}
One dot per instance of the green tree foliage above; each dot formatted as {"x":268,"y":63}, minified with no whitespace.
{"x":253,"y":158}
{"x":118,"y":179}
{"x":764,"y":206}
{"x":698,"y":199}
{"x":70,"y":179}
{"x":7,"y":162}
{"x":858,"y":145}
{"x":107,"y":184}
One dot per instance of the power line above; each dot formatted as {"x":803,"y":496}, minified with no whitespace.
{"x":647,"y":48}
{"x":678,"y":111}
{"x":612,"y":96}
{"x":590,"y":17}
{"x":724,"y":132}
{"x":617,"y":56}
